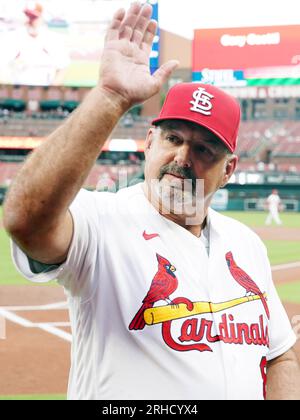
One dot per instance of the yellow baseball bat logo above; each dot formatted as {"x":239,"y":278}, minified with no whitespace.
{"x":160,"y":314}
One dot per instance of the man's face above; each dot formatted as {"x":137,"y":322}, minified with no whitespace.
{"x":179,"y":151}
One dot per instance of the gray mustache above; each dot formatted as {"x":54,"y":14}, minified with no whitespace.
{"x":176,"y":170}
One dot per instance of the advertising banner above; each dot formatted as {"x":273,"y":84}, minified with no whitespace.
{"x":250,"y":56}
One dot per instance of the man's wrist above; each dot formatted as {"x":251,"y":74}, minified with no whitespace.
{"x":118,"y":102}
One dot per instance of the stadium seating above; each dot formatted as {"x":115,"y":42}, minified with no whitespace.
{"x":8,"y":172}
{"x":102,"y":176}
{"x":254,"y":136}
{"x":29,"y":126}
{"x":289,"y":167}
{"x":42,"y":124}
{"x":279,"y":139}
{"x":286,"y":166}
{"x":286,"y":139}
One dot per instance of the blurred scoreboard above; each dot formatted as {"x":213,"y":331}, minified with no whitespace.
{"x":250,"y":56}
{"x":67,"y":44}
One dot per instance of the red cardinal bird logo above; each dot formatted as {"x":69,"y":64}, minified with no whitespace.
{"x":163,"y":285}
{"x":245,"y":281}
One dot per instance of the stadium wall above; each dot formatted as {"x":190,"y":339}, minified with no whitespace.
{"x":252,"y":197}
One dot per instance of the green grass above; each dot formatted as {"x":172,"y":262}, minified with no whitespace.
{"x":8,"y":274}
{"x":281,"y":252}
{"x":33,"y":397}
{"x":257,"y":219}
{"x":289,"y":292}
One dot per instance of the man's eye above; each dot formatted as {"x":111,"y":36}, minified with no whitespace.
{"x":203,"y":149}
{"x":206,"y":154}
{"x":173,"y":139}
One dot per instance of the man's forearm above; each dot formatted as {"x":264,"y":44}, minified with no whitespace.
{"x":54,"y":173}
{"x":283,"y":378}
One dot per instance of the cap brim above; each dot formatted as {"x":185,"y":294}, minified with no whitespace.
{"x":229,"y":147}
{"x":31,"y":14}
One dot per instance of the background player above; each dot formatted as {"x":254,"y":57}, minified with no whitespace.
{"x":273,"y":204}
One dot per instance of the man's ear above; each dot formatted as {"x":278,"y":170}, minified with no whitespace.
{"x":229,"y":168}
{"x":149,"y":141}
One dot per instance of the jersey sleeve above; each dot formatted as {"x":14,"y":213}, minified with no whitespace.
{"x":76,"y":274}
{"x":281,"y":334}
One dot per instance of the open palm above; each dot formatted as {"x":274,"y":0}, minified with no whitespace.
{"x":125,"y":59}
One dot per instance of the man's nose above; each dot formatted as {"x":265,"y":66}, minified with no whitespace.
{"x":182,"y":157}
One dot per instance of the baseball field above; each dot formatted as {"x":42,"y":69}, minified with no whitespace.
{"x":35,"y":337}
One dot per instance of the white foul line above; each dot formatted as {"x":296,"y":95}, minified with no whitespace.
{"x":56,"y":331}
{"x":50,"y":307}
{"x":286,"y":266}
{"x":15,"y":318}
{"x":28,"y":324}
{"x":54,"y":324}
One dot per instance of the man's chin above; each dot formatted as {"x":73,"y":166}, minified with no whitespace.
{"x":175,"y":200}
{"x":172,"y":199}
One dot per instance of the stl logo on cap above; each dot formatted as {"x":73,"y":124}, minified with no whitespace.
{"x":202,"y":102}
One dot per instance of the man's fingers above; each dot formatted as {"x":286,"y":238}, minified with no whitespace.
{"x":149,"y":35}
{"x":130,"y":20}
{"x":126,"y":32}
{"x":165,"y":71}
{"x":134,"y":25}
{"x":142,"y":24}
{"x":114,"y":28}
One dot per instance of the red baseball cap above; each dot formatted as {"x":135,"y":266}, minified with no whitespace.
{"x":33,"y":10}
{"x":205,"y":105}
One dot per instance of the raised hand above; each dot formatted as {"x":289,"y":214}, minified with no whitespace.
{"x":124,"y":67}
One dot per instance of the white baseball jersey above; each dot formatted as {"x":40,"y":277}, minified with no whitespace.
{"x":273,"y":201}
{"x":154,"y":315}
